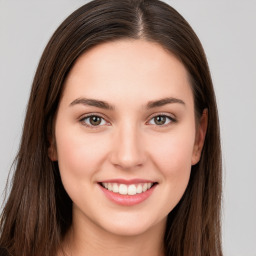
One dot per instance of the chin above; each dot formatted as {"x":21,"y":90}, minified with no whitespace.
{"x":128,"y":226}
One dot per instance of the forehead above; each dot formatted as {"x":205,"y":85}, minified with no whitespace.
{"x":128,"y":69}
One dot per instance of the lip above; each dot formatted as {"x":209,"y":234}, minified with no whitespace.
{"x":127,"y":182}
{"x":127,"y":200}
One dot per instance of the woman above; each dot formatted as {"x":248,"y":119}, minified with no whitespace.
{"x":120,"y":152}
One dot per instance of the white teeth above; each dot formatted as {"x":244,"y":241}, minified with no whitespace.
{"x":139,"y":189}
{"x":124,"y":189}
{"x":131,"y":190}
{"x":144,"y":187}
{"x":115,"y":188}
{"x":110,"y":187}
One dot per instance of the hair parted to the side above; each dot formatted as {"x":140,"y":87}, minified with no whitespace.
{"x":38,"y":212}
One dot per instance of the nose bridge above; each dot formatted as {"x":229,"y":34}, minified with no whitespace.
{"x":128,"y":151}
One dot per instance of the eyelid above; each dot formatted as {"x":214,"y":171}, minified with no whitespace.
{"x":171,"y":117}
{"x":90,"y":115}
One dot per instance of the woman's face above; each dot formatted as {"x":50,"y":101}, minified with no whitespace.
{"x":126,"y":136}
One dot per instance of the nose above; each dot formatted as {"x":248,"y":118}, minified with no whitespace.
{"x":128,"y":151}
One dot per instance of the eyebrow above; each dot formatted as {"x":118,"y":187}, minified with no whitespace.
{"x":104,"y":105}
{"x":92,"y":102}
{"x":164,"y":101}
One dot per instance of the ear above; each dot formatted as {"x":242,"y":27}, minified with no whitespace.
{"x":200,"y":137}
{"x":52,"y":150}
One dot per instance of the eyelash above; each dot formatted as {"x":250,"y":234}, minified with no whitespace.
{"x":171,"y":119}
{"x":167,"y":117}
{"x":82,"y":120}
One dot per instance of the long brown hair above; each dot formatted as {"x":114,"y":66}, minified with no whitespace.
{"x":38,"y":212}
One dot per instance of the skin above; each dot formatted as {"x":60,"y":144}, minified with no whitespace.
{"x":128,"y":144}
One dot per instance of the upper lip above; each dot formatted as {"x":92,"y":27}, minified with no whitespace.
{"x":125,"y":181}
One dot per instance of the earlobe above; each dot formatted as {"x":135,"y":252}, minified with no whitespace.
{"x":200,"y":137}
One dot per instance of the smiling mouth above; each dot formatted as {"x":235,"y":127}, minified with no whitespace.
{"x":128,"y":189}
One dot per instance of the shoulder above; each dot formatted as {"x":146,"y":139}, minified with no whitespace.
{"x":3,"y":252}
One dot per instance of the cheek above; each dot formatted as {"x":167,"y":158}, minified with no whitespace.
{"x":173,"y":155}
{"x":79,"y":156}
{"x":173,"y":160}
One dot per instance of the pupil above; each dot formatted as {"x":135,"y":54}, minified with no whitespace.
{"x":160,"y":120}
{"x":95,"y":120}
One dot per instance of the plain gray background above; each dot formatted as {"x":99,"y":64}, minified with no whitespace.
{"x":227,"y":30}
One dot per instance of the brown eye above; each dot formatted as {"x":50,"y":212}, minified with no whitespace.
{"x":93,"y":120}
{"x":161,"y":120}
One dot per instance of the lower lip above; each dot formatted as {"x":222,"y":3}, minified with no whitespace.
{"x":127,"y":200}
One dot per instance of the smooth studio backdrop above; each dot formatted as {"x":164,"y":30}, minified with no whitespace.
{"x":227,"y":30}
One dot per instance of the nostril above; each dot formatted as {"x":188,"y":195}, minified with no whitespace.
{"x":127,"y":150}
